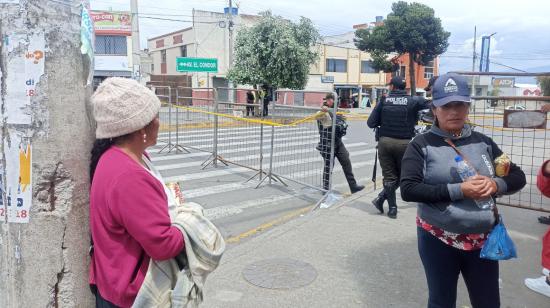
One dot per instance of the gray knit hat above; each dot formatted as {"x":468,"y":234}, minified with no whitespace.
{"x":122,"y":106}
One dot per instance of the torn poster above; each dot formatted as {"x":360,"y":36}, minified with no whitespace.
{"x":24,"y":71}
{"x":18,"y":186}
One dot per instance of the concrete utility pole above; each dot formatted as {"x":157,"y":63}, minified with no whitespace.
{"x":46,"y":139}
{"x":136,"y":60}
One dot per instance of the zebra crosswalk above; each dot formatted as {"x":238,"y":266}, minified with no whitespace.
{"x":224,"y":191}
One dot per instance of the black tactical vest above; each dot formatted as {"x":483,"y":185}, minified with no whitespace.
{"x":398,"y":116}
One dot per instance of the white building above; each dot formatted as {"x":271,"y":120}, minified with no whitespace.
{"x":113,"y":44}
{"x":208,"y":38}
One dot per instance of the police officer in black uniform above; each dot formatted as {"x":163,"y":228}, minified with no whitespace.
{"x":395,"y":117}
{"x":324,"y":123}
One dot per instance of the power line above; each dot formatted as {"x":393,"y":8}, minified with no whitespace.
{"x":507,"y":66}
{"x":159,"y":14}
{"x":180,"y":20}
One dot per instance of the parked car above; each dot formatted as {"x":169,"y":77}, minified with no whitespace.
{"x":516,"y":107}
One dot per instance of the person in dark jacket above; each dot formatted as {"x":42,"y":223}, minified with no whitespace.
{"x":395,"y":117}
{"x":451,"y":227}
{"x":324,"y":123}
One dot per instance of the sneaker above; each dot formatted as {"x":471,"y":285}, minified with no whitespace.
{"x":539,"y":285}
{"x":545,"y":272}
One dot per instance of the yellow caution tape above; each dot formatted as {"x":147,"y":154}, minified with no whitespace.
{"x":256,"y":121}
{"x":318,"y":114}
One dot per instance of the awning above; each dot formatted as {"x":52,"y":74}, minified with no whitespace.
{"x":346,"y":87}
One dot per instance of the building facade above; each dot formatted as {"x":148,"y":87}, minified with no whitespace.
{"x":113,"y":45}
{"x":207,"y":38}
{"x":340,"y":66}
{"x":423,"y":73}
{"x":349,"y":72}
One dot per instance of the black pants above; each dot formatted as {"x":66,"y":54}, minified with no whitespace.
{"x":390,"y":154}
{"x":443,"y":264}
{"x":342,"y":154}
{"x":266,"y":109}
{"x":100,"y":302}
{"x":249,"y":110}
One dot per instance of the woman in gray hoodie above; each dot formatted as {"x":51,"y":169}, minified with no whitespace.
{"x":451,"y":227}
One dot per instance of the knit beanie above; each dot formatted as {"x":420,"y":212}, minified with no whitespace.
{"x":122,"y":106}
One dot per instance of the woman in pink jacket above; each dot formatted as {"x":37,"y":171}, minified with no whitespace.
{"x":129,"y":218}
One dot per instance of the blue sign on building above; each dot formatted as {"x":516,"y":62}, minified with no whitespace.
{"x":234,"y":13}
{"x":485,"y":48}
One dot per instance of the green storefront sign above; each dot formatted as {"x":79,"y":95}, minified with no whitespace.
{"x":206,"y":65}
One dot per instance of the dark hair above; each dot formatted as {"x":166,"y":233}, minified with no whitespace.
{"x":100,"y":147}
{"x":401,"y":86}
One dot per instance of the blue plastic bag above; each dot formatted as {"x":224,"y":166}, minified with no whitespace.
{"x":499,"y":245}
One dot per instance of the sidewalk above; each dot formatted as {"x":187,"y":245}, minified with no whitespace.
{"x":362,"y":259}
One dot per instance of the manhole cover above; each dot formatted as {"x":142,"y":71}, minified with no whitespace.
{"x":280,"y":273}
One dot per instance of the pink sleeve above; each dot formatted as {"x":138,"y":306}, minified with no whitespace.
{"x":543,"y":181}
{"x":139,"y":203}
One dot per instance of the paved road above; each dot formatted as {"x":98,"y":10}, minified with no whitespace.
{"x":235,"y":205}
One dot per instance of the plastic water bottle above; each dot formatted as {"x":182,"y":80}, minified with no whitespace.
{"x":466,"y":171}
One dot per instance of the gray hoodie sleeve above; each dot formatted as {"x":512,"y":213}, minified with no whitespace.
{"x":413,"y":188}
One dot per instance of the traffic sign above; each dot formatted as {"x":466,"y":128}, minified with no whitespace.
{"x":207,"y":65}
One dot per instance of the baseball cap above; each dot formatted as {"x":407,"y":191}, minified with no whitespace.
{"x":450,"y":88}
{"x":398,"y":82}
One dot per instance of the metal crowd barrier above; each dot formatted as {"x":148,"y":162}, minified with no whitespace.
{"x":284,"y":146}
{"x":526,"y":147}
{"x":194,"y":107}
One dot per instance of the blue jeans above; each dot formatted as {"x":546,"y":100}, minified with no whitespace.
{"x":443,"y":264}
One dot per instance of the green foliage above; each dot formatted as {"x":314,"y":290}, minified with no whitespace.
{"x":380,"y":62}
{"x":409,"y":28}
{"x":544,"y":83}
{"x":275,"y":52}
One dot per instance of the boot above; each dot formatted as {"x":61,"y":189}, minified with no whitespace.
{"x":390,"y":188}
{"x":356,"y":188}
{"x":378,"y":202}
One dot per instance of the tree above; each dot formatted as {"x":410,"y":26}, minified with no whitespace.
{"x":409,"y":29}
{"x":275,"y":52}
{"x":544,"y":83}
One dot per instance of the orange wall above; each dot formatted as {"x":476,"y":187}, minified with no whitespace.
{"x":421,"y":82}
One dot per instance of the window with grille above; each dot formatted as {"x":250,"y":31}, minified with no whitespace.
{"x":152,"y":68}
{"x":183,"y":51}
{"x":337,"y":66}
{"x":429,"y":70}
{"x":163,"y":56}
{"x":366,"y":67}
{"x":110,"y":45}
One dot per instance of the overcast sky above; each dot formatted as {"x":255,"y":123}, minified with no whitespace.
{"x":523,"y":27}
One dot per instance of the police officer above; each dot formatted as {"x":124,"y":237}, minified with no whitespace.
{"x":324,"y":123}
{"x":395,"y":117}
